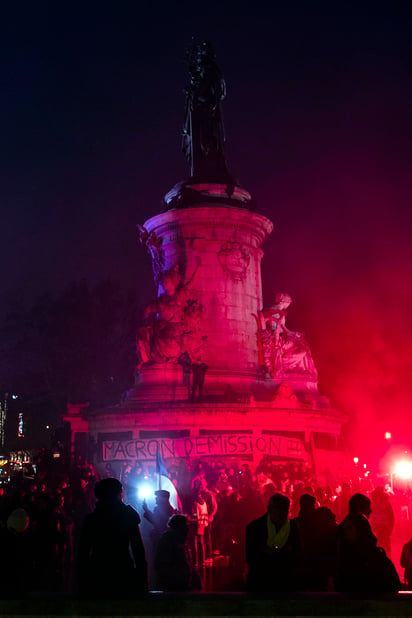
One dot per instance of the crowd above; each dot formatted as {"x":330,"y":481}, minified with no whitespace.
{"x":272,"y":529}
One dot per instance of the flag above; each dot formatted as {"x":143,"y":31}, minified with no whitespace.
{"x":161,"y":469}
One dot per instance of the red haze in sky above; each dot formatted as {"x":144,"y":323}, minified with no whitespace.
{"x":319,"y":130}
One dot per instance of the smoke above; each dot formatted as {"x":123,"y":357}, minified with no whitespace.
{"x":341,"y":248}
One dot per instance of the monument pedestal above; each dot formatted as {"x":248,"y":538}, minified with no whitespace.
{"x":160,"y":382}
{"x":283,"y":431}
{"x":222,"y":245}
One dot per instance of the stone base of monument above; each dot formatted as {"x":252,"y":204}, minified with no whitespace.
{"x":232,"y":432}
{"x":289,"y":390}
{"x":165,"y":382}
{"x":159,"y":382}
{"x":192,"y":193}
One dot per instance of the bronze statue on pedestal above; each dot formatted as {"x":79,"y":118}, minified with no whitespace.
{"x":203,"y":132}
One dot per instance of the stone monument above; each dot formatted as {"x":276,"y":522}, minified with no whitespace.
{"x":218,"y":373}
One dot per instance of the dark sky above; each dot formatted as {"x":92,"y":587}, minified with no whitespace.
{"x":319,"y":127}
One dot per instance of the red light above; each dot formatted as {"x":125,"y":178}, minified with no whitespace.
{"x":403,"y":469}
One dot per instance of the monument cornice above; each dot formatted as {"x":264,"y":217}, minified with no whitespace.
{"x":181,"y":409}
{"x":212,"y":217}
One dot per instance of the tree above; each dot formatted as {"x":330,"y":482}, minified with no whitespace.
{"x":79,"y":346}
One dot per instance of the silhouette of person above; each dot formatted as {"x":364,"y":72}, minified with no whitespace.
{"x":362,"y":566}
{"x":111,"y":557}
{"x":382,"y":518}
{"x":341,"y":505}
{"x":321,"y":560}
{"x":160,"y":515}
{"x":172,"y":560}
{"x":406,"y":562}
{"x":199,"y":369}
{"x":211,"y":503}
{"x":273,"y":549}
{"x":201,"y":519}
{"x":16,"y":551}
{"x":186,"y":364}
{"x":305,"y":519}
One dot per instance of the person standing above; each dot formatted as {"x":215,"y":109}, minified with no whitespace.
{"x":362,"y":566}
{"x":111,"y":561}
{"x":186,"y":363}
{"x":172,"y":560}
{"x":382,"y":518}
{"x":406,"y":563}
{"x":160,"y":515}
{"x":201,"y":520}
{"x":199,"y":369}
{"x":18,"y":553}
{"x":273,"y":549}
{"x":211,"y":503}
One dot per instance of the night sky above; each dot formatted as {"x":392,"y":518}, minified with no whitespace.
{"x":319,"y":130}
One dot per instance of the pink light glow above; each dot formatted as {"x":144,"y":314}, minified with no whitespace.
{"x":403,"y":469}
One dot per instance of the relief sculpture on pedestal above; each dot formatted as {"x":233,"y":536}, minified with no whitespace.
{"x":234,"y":259}
{"x":171,"y":321}
{"x":153,"y":244}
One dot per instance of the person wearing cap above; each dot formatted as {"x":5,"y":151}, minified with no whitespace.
{"x":273,"y":550}
{"x":111,"y":556}
{"x":160,"y":515}
{"x":172,"y":560}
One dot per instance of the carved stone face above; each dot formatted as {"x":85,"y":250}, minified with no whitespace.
{"x":170,"y":282}
{"x":271,"y":324}
{"x":283,"y":300}
{"x":168,"y":285}
{"x":283,"y":304}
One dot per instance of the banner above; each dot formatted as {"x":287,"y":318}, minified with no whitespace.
{"x":203,"y":446}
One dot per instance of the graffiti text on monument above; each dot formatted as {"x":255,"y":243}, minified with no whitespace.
{"x":203,"y":446}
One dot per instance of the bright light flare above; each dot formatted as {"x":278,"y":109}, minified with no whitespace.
{"x":403,"y":469}
{"x":144,"y":492}
{"x":388,"y":435}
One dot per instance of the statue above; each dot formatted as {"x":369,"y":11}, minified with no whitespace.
{"x":285,"y":397}
{"x":172,"y":321}
{"x":203,"y":132}
{"x":283,"y":353}
{"x":153,"y":244}
{"x":203,"y":139}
